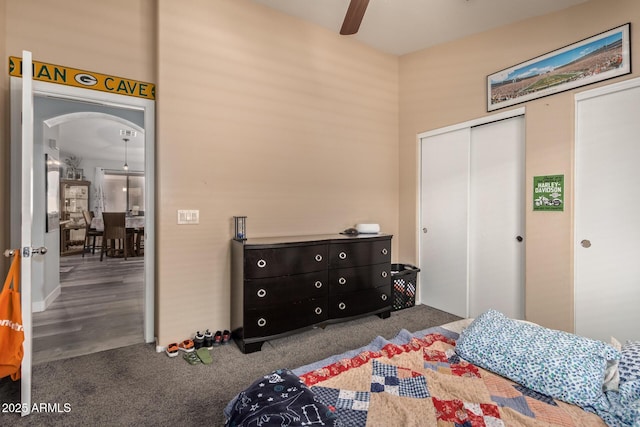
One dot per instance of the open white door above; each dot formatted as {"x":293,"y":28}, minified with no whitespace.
{"x":23,"y":93}
{"x":25,"y":230}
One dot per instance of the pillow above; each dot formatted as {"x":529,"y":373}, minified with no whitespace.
{"x":559,"y":364}
{"x":630,"y":361}
{"x":612,"y":373}
{"x":279,"y":398}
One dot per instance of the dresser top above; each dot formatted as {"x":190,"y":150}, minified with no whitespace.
{"x":313,"y":238}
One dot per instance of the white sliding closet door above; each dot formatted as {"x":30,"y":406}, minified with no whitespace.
{"x":496,"y":218}
{"x":445,"y":201}
{"x":607,"y":202}
{"x":472,"y":216}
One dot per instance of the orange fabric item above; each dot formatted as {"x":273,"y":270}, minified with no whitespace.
{"x":11,"y":329}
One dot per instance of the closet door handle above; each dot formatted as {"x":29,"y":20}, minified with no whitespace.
{"x":519,"y":238}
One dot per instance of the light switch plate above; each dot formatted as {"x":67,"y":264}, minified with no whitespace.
{"x":188,"y":216}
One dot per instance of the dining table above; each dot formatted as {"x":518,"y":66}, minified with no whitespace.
{"x":133,"y":222}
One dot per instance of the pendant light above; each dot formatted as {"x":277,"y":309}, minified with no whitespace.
{"x":126,"y":166}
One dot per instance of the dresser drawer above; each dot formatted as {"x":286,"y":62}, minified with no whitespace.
{"x":281,"y":290}
{"x":355,"y":303}
{"x":343,"y":280}
{"x":266,"y":322}
{"x":285,"y":261}
{"x":355,"y":253}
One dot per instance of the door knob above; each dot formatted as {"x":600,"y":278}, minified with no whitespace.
{"x":27,"y":252}
{"x":586,"y":243}
{"x":10,"y":252}
{"x":424,"y":230}
{"x":41,"y":250}
{"x":519,"y":238}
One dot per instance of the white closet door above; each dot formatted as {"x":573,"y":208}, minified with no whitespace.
{"x":496,"y":218}
{"x":444,"y":202}
{"x":607,"y":229}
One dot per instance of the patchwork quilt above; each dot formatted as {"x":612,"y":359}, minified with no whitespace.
{"x":424,"y":383}
{"x":418,"y":379}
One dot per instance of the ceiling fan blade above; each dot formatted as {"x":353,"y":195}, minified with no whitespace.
{"x":354,"y":16}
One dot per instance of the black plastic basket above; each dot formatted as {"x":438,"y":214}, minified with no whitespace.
{"x":404,"y":282}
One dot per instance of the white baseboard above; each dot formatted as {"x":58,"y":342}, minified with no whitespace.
{"x":39,"y":306}
{"x":159,"y":348}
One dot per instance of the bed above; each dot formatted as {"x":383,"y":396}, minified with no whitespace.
{"x":491,"y":371}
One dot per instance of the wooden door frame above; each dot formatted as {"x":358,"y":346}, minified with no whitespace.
{"x":118,"y":101}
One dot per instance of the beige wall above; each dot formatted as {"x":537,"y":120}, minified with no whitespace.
{"x":114,"y":37}
{"x":445,"y":85}
{"x":263,"y":115}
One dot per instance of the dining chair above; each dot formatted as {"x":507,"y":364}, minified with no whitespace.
{"x":90,"y":232}
{"x":116,"y":237}
{"x":139,"y":238}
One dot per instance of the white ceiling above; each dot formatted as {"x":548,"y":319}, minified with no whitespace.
{"x":403,"y":26}
{"x":99,"y":138}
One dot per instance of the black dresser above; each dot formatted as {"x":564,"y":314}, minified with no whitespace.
{"x":280,"y":285}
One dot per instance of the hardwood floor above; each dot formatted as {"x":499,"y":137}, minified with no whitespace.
{"x":100,"y":307}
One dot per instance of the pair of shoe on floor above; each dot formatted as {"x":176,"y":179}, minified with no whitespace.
{"x":210,"y":340}
{"x":185,"y":346}
{"x":201,"y":355}
{"x":191,"y":355}
{"x":206,"y":340}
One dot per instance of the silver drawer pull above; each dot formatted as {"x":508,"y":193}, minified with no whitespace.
{"x":262,"y":293}
{"x":342,"y":280}
{"x":262,"y":321}
{"x":318,"y":310}
{"x":262,"y":263}
{"x":318,"y":284}
{"x":342,"y":255}
{"x":384,"y":297}
{"x":318,"y":257}
{"x":384,"y":274}
{"x":342,"y":306}
{"x":384,"y":251}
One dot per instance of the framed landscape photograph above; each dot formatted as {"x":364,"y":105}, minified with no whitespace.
{"x":600,"y":57}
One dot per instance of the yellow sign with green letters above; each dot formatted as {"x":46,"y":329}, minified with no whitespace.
{"x":51,"y":73}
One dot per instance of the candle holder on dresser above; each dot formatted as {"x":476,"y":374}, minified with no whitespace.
{"x":240,"y":228}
